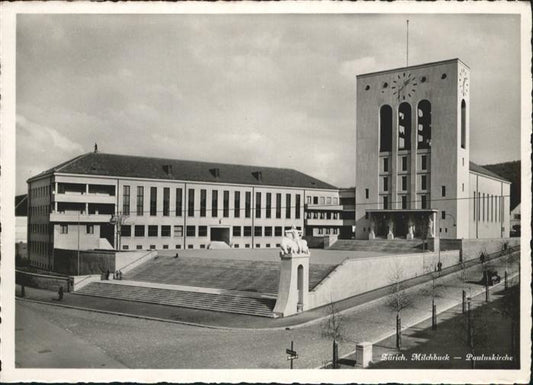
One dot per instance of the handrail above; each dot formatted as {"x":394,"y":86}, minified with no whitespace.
{"x":150,"y":252}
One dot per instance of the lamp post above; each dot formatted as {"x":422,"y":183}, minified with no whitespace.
{"x":78,"y":243}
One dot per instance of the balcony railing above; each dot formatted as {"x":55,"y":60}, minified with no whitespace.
{"x":75,"y":216}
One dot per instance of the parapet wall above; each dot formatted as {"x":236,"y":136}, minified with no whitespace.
{"x":356,"y":276}
{"x":472,"y":248}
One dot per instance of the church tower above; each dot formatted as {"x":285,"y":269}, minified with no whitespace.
{"x":412,"y":151}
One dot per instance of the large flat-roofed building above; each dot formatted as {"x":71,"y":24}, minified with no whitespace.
{"x":106,"y":201}
{"x":414,"y":176}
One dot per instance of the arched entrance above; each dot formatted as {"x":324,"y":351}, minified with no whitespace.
{"x":300,"y":286}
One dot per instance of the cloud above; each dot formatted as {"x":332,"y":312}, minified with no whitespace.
{"x":358,"y":66}
{"x":36,"y":135}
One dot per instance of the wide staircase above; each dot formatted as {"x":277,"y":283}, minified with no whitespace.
{"x":225,"y":302}
{"x":402,"y":246}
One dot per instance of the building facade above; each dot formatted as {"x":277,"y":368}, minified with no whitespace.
{"x":105,"y":201}
{"x":413,"y":172}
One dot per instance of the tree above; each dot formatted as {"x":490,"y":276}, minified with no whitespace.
{"x":398,"y":300}
{"x":434,"y":291}
{"x":333,"y":328}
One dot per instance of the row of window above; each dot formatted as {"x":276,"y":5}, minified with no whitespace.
{"x":322,"y":215}
{"x":39,"y":248}
{"x":40,"y":192}
{"x":315,"y":200}
{"x":39,"y":210}
{"x":403,"y":184}
{"x":424,"y":202}
{"x":39,"y":228}
{"x":405,"y":122}
{"x":202,"y":246}
{"x":201,"y":231}
{"x":203,"y":209}
{"x":487,"y":207}
{"x":385,"y":162}
{"x":63,"y":229}
{"x":327,"y":230}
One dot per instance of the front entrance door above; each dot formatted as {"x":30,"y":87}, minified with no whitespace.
{"x":220,"y":234}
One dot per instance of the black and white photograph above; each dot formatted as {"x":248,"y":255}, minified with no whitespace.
{"x":321,"y":192}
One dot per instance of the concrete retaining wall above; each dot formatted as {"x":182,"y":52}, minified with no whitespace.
{"x":472,"y":247}
{"x":42,"y":281}
{"x":82,"y":280}
{"x":351,"y":277}
{"x":91,"y":261}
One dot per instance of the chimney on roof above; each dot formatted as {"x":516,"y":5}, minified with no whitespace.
{"x":215,"y":172}
{"x":95,"y":148}
{"x":167,"y":168}
{"x":258,"y":175}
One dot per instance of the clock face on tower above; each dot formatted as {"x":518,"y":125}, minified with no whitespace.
{"x":404,"y":85}
{"x":463,"y":81}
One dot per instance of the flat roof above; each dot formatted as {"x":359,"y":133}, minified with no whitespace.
{"x":128,"y":166}
{"x":413,"y":67}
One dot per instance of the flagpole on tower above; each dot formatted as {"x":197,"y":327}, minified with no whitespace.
{"x":407,"y":40}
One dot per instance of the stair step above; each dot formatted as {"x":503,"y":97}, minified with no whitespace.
{"x":205,"y":301}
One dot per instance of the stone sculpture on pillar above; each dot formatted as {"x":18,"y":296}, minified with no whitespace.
{"x":372,"y":234}
{"x":293,"y":289}
{"x":390,"y":234}
{"x":411,"y":228}
{"x":431,"y":233}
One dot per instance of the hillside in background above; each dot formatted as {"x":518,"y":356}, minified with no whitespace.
{"x":511,"y":172}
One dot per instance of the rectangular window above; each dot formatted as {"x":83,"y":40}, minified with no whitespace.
{"x":236,"y":231}
{"x":278,"y":230}
{"x":139,"y":230}
{"x":385,"y":164}
{"x":268,"y":231}
{"x":297,"y":207}
{"x":202,"y":231}
{"x":153,"y":200}
{"x":166,"y":201}
{"x":214,"y":203}
{"x":247,"y":231}
{"x":165,"y":231}
{"x":90,"y":229}
{"x":247,"y":204}
{"x":483,"y":218}
{"x":225,"y":211}
{"x":140,"y":200}
{"x":139,"y":247}
{"x":237,"y":203}
{"x":63,"y":229}
{"x":328,"y":200}
{"x":287,"y":205}
{"x":443,"y":191}
{"x":203,"y":202}
{"x":178,"y":231}
{"x":404,"y":183}
{"x":152,"y":231}
{"x":278,"y":205}
{"x":404,"y":202}
{"x":367,"y":193}
{"x":385,"y":202}
{"x":385,"y":183}
{"x":258,"y":231}
{"x":179,"y":202}
{"x":474,"y":205}
{"x":424,"y":182}
{"x":190,"y":204}
{"x":315,"y":200}
{"x":424,"y":202}
{"x":191,"y":231}
{"x":268,"y":213}
{"x":125,"y":230}
{"x":309,"y":199}
{"x":258,"y":205}
{"x":126,"y":201}
{"x":404,"y":163}
{"x":424,"y":165}
{"x":443,"y":213}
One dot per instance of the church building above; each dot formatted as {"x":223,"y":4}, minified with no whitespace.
{"x":414,"y":175}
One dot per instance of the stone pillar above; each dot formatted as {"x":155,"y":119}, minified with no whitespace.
{"x":372,"y":233}
{"x":411,"y":228}
{"x":290,"y":300}
{"x":390,"y":234}
{"x":363,"y":354}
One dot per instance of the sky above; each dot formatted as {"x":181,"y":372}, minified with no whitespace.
{"x":266,"y":90}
